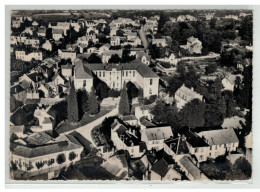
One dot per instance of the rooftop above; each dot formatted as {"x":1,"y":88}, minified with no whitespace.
{"x":158,"y":133}
{"x":190,"y":167}
{"x":218,"y":137}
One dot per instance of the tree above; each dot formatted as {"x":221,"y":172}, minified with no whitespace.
{"x":124,"y":107}
{"x":192,"y":114}
{"x":72,"y":156}
{"x":73,"y":111}
{"x":82,"y":96}
{"x":94,"y":58}
{"x":115,"y":59}
{"x":230,"y":104}
{"x":212,"y":68}
{"x":181,"y":68}
{"x":159,"y":111}
{"x":93,"y":103}
{"x":61,"y":159}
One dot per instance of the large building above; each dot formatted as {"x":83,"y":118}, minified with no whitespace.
{"x":116,"y":75}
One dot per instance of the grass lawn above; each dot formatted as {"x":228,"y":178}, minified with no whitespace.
{"x":68,"y":126}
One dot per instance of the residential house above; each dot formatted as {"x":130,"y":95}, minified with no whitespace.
{"x":57,"y":34}
{"x":46,"y":121}
{"x":18,"y":92}
{"x":143,"y":57}
{"x":115,"y":40}
{"x":170,"y":59}
{"x":28,"y":30}
{"x":64,"y":26}
{"x":196,"y":145}
{"x":45,"y":71}
{"x":16,"y":23}
{"x":184,"y":95}
{"x":126,"y":139}
{"x":47,"y":45}
{"x":220,"y":141}
{"x":108,"y":53}
{"x":32,"y":42}
{"x":161,"y":170}
{"x":159,"y":42}
{"x":194,"y":45}
{"x":144,"y":123}
{"x":117,"y":166}
{"x":31,"y":80}
{"x":129,"y":120}
{"x":191,"y":170}
{"x":35,"y":24}
{"x":42,"y":32}
{"x":18,"y":131}
{"x":66,"y":71}
{"x":28,"y":55}
{"x":58,"y":79}
{"x":144,"y":111}
{"x":103,"y":48}
{"x":154,"y":137}
{"x":67,"y":54}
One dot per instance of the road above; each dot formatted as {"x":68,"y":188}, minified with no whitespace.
{"x":143,"y":38}
{"x":85,"y":130}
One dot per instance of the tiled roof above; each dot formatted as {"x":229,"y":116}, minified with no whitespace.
{"x":141,"y":68}
{"x":160,"y":167}
{"x":39,"y":138}
{"x":128,"y":118}
{"x":147,"y":123}
{"x":190,"y":167}
{"x":16,"y":89}
{"x":113,"y":52}
{"x":158,"y":133}
{"x":81,"y":71}
{"x":57,"y":31}
{"x":218,"y":137}
{"x":194,"y":140}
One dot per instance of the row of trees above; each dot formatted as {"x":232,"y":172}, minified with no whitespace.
{"x":80,"y":102}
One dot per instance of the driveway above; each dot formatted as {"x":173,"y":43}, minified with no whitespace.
{"x":85,"y":130}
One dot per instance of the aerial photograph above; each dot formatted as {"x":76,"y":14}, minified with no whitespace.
{"x":130,"y":95}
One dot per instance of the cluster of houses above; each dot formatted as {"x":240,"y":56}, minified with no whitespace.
{"x":37,"y":149}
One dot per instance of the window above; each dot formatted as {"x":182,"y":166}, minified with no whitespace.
{"x":84,"y":83}
{"x":117,"y":77}
{"x":104,"y":74}
{"x":196,"y":150}
{"x":150,"y":92}
{"x":201,"y":157}
{"x":210,"y":154}
{"x":210,"y":148}
{"x":126,"y":73}
{"x":133,"y":73}
{"x":216,"y":147}
{"x":100,"y":74}
{"x":151,"y":81}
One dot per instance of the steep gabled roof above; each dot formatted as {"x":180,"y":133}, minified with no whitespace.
{"x":160,"y":167}
{"x":81,"y":71}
